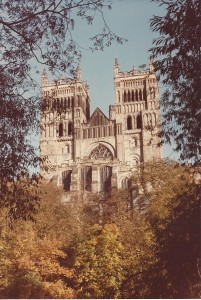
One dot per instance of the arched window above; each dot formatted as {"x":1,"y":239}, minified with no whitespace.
{"x":129,"y":122}
{"x":140,"y":95}
{"x":100,"y":152}
{"x":61,"y":103}
{"x":133,"y":96}
{"x":79,"y":100}
{"x":105,"y":179}
{"x":86,"y":178}
{"x":119,"y":96}
{"x":65,"y":103}
{"x":129,"y":98}
{"x":54,"y":104}
{"x":72,"y":99}
{"x":125,"y":96}
{"x":61,"y":129}
{"x":144,"y":94}
{"x":139,"y":122}
{"x":68,"y":102}
{"x":136,"y":95}
{"x":66,"y":180}
{"x":94,"y":132}
{"x":125,"y":183}
{"x":58,"y":104}
{"x":70,"y":128}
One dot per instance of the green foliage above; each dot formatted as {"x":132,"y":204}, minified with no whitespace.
{"x":177,"y":50}
{"x":98,"y":263}
{"x":20,"y":196}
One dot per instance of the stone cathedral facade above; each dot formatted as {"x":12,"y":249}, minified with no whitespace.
{"x":95,"y":152}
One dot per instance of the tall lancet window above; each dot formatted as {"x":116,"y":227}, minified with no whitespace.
{"x":133,"y":96}
{"x":61,"y":129}
{"x":86,"y":178}
{"x":129,"y":96}
{"x":70,"y":128}
{"x":136,"y":95}
{"x":125,"y":96}
{"x":140,"y":95}
{"x":119,"y":96}
{"x":125,"y":183}
{"x":66,"y":180}
{"x":129,"y":122}
{"x":139,"y":122}
{"x":105,"y":179}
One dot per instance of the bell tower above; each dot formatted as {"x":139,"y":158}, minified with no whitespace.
{"x":65,"y":105}
{"x":136,"y":112}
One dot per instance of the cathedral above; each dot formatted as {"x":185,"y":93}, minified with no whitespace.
{"x":94,"y":152}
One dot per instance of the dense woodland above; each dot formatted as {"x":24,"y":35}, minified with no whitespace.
{"x":112,"y":247}
{"x":142,"y":248}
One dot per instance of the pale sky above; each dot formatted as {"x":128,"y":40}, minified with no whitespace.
{"x":128,"y":19}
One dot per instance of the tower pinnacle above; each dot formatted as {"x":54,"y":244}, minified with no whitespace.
{"x":151,"y":63}
{"x":116,"y":67}
{"x":44,"y":78}
{"x":78,"y":73}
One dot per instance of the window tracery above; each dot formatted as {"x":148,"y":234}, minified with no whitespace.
{"x":60,"y":129}
{"x":105,"y":179}
{"x":125,"y":183}
{"x":66,"y":180}
{"x":129,"y":122}
{"x":86,"y":178}
{"x":100,"y":152}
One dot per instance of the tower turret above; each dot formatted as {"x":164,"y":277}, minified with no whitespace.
{"x":151,"y":64}
{"x":44,"y":78}
{"x":78,"y":73}
{"x":116,"y":67}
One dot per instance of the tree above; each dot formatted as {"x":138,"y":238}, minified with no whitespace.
{"x":20,"y":196}
{"x":36,"y":32}
{"x":31,"y":253}
{"x":173,"y":212}
{"x":139,"y":257}
{"x":177,"y":50}
{"x":31,"y":265}
{"x":45,"y":29}
{"x":98,"y":263}
{"x":139,"y":253}
{"x":54,"y":218}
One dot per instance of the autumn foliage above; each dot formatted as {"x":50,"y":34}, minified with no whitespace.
{"x":147,"y":247}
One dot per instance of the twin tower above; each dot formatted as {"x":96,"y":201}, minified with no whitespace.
{"x":96,"y":153}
